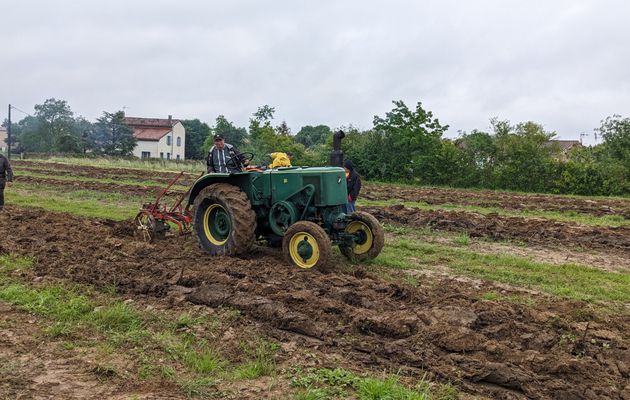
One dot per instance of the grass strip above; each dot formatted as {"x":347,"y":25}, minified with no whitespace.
{"x":338,"y":383}
{"x":193,"y":166}
{"x":85,"y":203}
{"x":565,"y":280}
{"x":563,"y":216}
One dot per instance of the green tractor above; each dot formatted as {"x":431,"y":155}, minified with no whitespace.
{"x":299,"y":208}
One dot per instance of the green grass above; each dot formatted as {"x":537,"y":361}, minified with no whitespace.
{"x":564,"y":216}
{"x":197,"y":356}
{"x":85,"y":203}
{"x":195,"y":166}
{"x":511,"y":298}
{"x":565,"y":280}
{"x":70,"y":311}
{"x":325,"y":383}
{"x":419,"y":185}
{"x":10,"y":263}
{"x":203,"y":387}
{"x":261,"y":363}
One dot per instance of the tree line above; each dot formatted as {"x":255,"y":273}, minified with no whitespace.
{"x":404,"y":145}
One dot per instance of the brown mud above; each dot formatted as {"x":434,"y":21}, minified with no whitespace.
{"x":505,"y":200}
{"x":149,"y":192}
{"x":555,"y":349}
{"x":32,"y":368}
{"x":536,"y":231}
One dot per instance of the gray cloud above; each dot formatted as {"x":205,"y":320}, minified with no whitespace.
{"x":561,"y":63}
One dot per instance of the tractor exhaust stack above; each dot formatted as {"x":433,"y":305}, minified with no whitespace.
{"x":336,"y":156}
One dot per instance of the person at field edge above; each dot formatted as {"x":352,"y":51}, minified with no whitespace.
{"x":219,"y":157}
{"x":6,"y":177}
{"x":279,"y":159}
{"x":353,"y":181}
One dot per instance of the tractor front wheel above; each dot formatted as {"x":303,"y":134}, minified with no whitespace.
{"x":369,"y":235}
{"x":224,"y":221}
{"x":306,"y":245}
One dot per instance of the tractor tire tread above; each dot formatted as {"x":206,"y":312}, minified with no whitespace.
{"x":243,"y":233}
{"x":377,"y":233}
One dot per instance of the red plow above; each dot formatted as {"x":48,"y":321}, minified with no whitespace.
{"x":154,"y":220}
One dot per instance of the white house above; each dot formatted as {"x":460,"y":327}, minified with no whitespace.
{"x":158,"y":138}
{"x":3,"y":140}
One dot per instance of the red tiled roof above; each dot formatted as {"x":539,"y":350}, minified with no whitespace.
{"x":150,"y":133}
{"x":150,"y":128}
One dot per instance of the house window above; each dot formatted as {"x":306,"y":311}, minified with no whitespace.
{"x":178,"y":156}
{"x":168,"y":140}
{"x":168,"y":156}
{"x":179,"y":141}
{"x":145,"y":155}
{"x":161,"y":154}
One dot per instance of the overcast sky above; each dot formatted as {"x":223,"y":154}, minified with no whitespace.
{"x":565,"y":64}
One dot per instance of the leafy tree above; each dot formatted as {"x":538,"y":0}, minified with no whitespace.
{"x":479,"y":154}
{"x":590,"y":171}
{"x":85,"y":130}
{"x":196,"y":134}
{"x":260,"y":123}
{"x":283,"y":129}
{"x":526,"y":160}
{"x":616,"y":133}
{"x":57,"y":121}
{"x":411,"y":138}
{"x":362,"y":149}
{"x":29,"y":135}
{"x":311,"y":136}
{"x":233,"y":135}
{"x":264,"y":139}
{"x":112,"y":136}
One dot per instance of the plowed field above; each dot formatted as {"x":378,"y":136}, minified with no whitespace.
{"x":444,"y":327}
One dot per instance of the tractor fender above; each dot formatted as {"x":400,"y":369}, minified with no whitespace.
{"x":207,"y":180}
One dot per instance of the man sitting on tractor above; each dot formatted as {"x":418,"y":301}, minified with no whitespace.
{"x":224,"y":158}
{"x":279,"y":159}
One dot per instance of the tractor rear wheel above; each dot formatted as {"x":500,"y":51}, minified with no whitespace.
{"x":224,"y":221}
{"x":370,"y":235}
{"x":306,"y":245}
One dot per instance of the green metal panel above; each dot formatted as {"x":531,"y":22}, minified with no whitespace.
{"x":268,"y":187}
{"x":329,"y":182}
{"x":334,"y":189}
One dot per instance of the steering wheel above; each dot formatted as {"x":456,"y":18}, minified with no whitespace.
{"x":239,"y":161}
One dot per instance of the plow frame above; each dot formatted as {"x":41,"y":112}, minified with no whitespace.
{"x":154,"y":218}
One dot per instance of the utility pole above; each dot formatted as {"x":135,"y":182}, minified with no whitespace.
{"x":9,"y":135}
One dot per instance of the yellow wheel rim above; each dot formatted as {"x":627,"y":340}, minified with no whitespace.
{"x":304,"y":250}
{"x":358,"y":226}
{"x":210,"y":227}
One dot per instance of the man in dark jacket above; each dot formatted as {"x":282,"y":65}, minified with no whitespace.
{"x":220,"y":155}
{"x":353,"y":180}
{"x":6,"y":177}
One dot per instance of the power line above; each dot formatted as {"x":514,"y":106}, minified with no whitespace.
{"x":22,"y":111}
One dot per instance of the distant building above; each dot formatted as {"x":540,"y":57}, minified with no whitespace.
{"x":158,"y":138}
{"x":565,"y":146}
{"x":3,"y":140}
